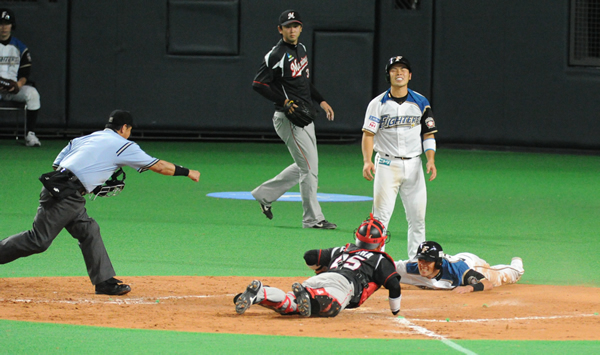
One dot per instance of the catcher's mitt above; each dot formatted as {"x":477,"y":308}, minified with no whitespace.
{"x":8,"y":86}
{"x":301,"y":116}
{"x":319,"y":268}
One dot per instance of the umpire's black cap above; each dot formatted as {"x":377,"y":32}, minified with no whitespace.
{"x":118,"y":118}
{"x":289,"y":16}
{"x":7,"y":16}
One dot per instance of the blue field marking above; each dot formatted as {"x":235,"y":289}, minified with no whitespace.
{"x":292,"y":196}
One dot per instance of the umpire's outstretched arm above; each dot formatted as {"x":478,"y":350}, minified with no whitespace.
{"x":165,"y":168}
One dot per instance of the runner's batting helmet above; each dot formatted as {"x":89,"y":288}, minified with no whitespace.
{"x":371,"y":234}
{"x":396,"y":60}
{"x":431,"y":251}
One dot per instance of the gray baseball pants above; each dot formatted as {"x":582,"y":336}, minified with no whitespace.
{"x":302,"y":144}
{"x":52,"y":216}
{"x":335,"y":284}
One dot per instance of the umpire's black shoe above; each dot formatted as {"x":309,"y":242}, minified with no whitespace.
{"x":112,"y":287}
{"x":267,"y":211}
{"x":302,"y":299}
{"x":325,"y":225}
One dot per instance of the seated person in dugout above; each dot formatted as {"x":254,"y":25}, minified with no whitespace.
{"x":463,"y":272}
{"x":15,"y":69}
{"x":346,"y":277}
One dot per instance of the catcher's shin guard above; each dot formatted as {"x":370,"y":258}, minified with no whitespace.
{"x":284,"y":307}
{"x":327,"y":305}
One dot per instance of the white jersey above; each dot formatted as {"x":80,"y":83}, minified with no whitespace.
{"x":398,"y":127}
{"x":13,"y":56}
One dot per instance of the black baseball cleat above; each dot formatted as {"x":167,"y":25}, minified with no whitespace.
{"x":246,"y":299}
{"x":112,"y":287}
{"x":325,"y":225}
{"x":267,"y":211}
{"x":302,"y":299}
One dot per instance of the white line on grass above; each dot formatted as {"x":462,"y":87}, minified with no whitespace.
{"x":502,"y":319}
{"x":429,"y":333}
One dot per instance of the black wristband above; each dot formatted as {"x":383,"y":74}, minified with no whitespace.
{"x":477,"y":287}
{"x":181,"y":171}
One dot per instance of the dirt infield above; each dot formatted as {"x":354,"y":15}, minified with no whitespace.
{"x":204,"y":304}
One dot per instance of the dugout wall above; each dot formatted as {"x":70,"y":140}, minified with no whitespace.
{"x":496,"y":73}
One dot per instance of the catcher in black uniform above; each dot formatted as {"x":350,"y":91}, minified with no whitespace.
{"x":346,"y":277}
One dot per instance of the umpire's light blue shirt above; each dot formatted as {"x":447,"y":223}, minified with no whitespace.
{"x":95,"y":157}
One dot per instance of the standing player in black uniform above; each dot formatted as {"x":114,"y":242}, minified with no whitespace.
{"x":284,"y":77}
{"x":346,"y":277}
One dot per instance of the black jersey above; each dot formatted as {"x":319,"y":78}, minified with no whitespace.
{"x":361,"y":267}
{"x":285,"y":74}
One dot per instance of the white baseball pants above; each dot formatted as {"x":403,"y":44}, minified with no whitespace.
{"x":405,"y":177}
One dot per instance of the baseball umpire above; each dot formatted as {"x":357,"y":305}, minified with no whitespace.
{"x":88,"y":165}
{"x":463,"y":272}
{"x":346,"y":277}
{"x":283,"y":78}
{"x":393,"y":125}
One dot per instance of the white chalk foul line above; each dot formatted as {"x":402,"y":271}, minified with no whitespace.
{"x":502,"y":319}
{"x":429,"y":333}
{"x":120,"y":301}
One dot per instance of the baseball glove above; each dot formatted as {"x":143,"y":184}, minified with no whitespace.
{"x":8,"y":86}
{"x":301,"y":116}
{"x":321,"y":269}
{"x":318,"y":268}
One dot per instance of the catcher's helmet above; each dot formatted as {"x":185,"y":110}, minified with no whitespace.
{"x":431,"y":251}
{"x":395,"y":60}
{"x":371,"y":234}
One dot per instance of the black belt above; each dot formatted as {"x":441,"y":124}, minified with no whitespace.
{"x":80,"y":188}
{"x":403,"y":158}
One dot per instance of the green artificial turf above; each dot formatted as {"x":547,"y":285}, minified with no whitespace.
{"x":541,"y":207}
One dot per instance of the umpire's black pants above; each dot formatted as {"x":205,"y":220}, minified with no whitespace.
{"x":52,"y":216}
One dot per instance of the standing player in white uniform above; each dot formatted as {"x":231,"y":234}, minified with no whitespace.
{"x":463,"y":272}
{"x":394,"y":123}
{"x":284,"y":77}
{"x":15,"y":65}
